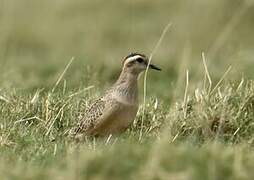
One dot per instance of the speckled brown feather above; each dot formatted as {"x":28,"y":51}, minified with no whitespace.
{"x":88,"y":118}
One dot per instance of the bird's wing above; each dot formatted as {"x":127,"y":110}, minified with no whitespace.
{"x":87,"y":119}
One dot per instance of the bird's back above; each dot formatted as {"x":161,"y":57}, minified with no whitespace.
{"x":105,"y":116}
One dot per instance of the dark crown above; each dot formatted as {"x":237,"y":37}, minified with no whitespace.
{"x":134,"y":54}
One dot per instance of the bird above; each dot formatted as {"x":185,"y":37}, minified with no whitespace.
{"x":114,"y":112}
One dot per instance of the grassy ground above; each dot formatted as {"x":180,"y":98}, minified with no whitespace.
{"x":196,"y":129}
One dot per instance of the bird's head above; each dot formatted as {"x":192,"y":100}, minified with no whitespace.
{"x":136,"y":63}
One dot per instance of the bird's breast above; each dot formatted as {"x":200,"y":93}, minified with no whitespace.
{"x":126,"y":98}
{"x":119,"y":120}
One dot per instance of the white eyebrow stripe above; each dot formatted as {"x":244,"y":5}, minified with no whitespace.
{"x":132,"y":58}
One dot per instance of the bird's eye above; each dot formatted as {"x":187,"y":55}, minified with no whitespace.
{"x":140,"y":60}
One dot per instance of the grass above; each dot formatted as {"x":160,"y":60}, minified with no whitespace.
{"x":198,"y":117}
{"x":209,"y":136}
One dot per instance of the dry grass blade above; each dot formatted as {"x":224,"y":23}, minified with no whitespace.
{"x":185,"y":103}
{"x":108,"y":139}
{"x":207,"y":73}
{"x":36,"y":96}
{"x":55,"y":118}
{"x":61,"y":76}
{"x":165,"y":30}
{"x":240,"y":84}
{"x":4,"y":99}
{"x":221,"y":79}
{"x":81,"y":91}
{"x":26,"y":119}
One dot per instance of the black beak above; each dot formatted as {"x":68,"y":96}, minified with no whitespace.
{"x":154,"y":67}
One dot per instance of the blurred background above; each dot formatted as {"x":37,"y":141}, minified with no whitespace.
{"x":38,"y":39}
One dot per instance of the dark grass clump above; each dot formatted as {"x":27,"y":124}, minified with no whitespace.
{"x":226,"y":115}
